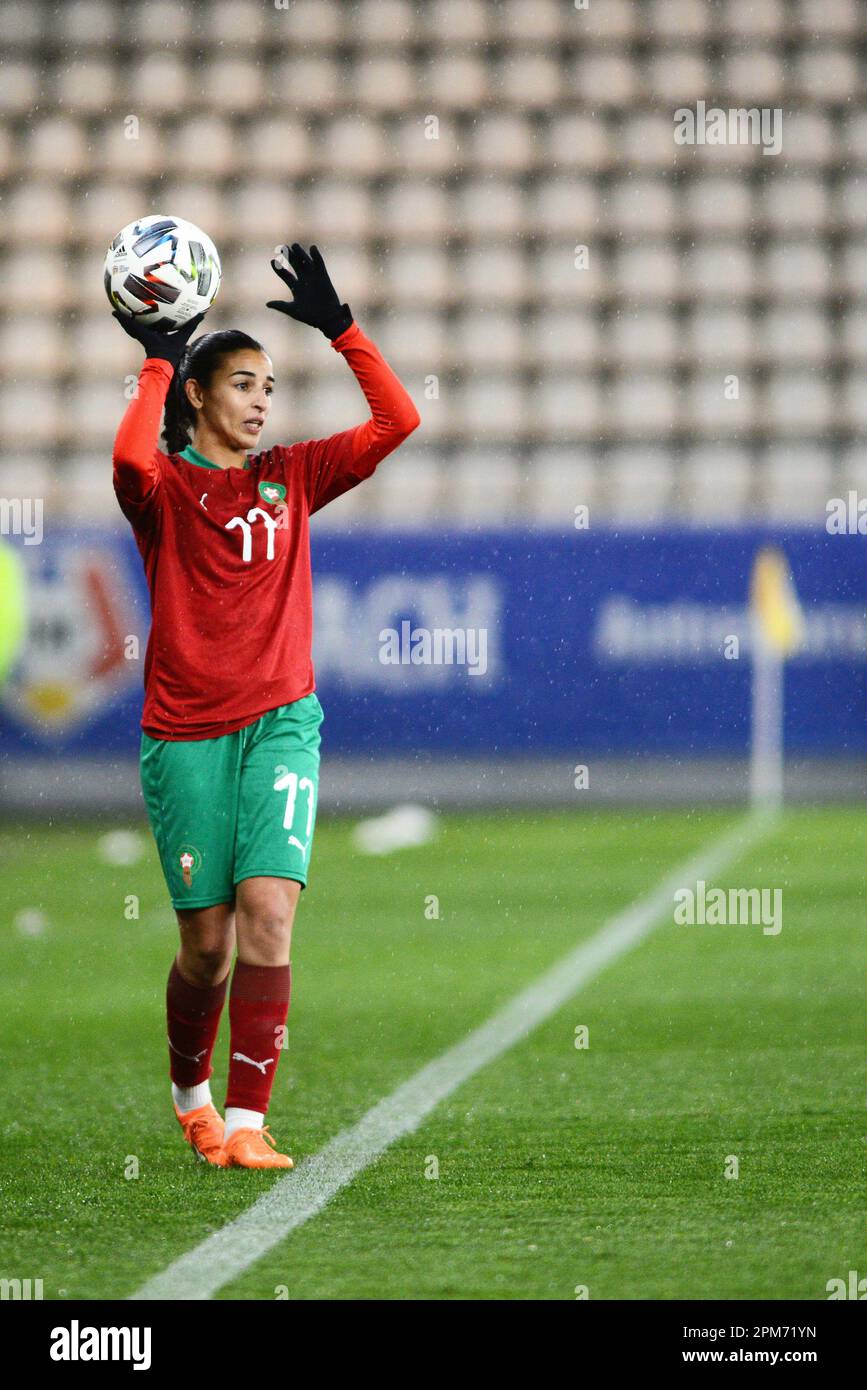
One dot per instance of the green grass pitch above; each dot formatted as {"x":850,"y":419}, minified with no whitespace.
{"x":558,"y":1167}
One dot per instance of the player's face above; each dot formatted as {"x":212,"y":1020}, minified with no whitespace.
{"x":236,"y":403}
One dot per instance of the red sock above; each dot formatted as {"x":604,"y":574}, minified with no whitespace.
{"x":193,"y":1019}
{"x":258,"y":1006}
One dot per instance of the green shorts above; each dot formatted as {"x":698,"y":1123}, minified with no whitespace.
{"x":234,"y":807}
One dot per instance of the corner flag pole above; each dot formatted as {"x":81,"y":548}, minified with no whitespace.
{"x":777,"y":630}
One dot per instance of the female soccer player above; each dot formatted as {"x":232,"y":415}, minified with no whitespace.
{"x":230,"y":725}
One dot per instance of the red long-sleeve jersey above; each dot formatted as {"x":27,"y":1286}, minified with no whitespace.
{"x":227,"y":555}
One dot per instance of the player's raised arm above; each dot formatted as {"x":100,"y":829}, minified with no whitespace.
{"x":337,"y":463}
{"x":136,"y":470}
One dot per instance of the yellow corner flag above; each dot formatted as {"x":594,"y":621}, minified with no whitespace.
{"x":774,"y":602}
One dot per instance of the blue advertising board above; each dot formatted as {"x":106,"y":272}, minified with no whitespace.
{"x":487,"y":644}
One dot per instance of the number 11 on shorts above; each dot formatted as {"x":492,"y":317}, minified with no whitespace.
{"x":290,"y":783}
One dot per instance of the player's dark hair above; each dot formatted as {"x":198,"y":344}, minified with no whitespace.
{"x":199,"y":362}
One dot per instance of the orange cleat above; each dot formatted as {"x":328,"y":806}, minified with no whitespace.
{"x":248,"y":1148}
{"x":203,"y":1129}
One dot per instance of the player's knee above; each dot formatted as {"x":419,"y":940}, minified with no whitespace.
{"x":207,"y":963}
{"x":269,"y":932}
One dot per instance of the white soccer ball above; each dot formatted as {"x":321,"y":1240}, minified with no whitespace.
{"x":162,"y":271}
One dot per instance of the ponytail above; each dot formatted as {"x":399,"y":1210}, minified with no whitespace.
{"x":198,"y":363}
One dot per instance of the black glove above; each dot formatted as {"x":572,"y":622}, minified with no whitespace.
{"x":315,"y":300}
{"x":168,"y":346}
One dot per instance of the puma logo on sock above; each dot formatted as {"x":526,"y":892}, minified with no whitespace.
{"x":239,"y":1057}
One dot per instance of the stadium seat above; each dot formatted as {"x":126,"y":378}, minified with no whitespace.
{"x":716,"y":485}
{"x":276,"y":149}
{"x":567,"y":406}
{"x":385,"y":23}
{"x":8,"y":154}
{"x":563,"y":206}
{"x":560,"y":479}
{"x":486,"y":486}
{"x":721,"y":336}
{"x":503,"y":142}
{"x":414,"y":338}
{"x":640,"y":483}
{"x":35,"y":278}
{"x":57,"y":148}
{"x":796,"y":484}
{"x":637,"y":336}
{"x":488,"y":338}
{"x":543,"y":22}
{"x":233,"y":84}
{"x":720,"y":270}
{"x":835,"y":18}
{"x":811,"y":140}
{"x":87,"y":23}
{"x":88,"y":489}
{"x":263,"y":214}
{"x":647,"y":142}
{"x":487,"y":274}
{"x":33,"y":343}
{"x":753,"y":77}
{"x":644,"y":405}
{"x":417,"y":275}
{"x":527,"y":80}
{"x":30,"y":415}
{"x":643,"y":206}
{"x":383,"y":82}
{"x":717,"y":205}
{"x":490,"y":406}
{"x":37,"y":214}
{"x":798,"y":402}
{"x":854,"y":336}
{"x":648,"y":271}
{"x":19,"y":90}
{"x":414,"y":210}
{"x":204,"y":146}
{"x":615,"y":21}
{"x":604,"y":78}
{"x":853,"y":403}
{"x":88,"y":86}
{"x":157,"y":83}
{"x":313,"y":80}
{"x":796,"y":270}
{"x":678,"y":21}
{"x":827,"y":75}
{"x":410,"y":489}
{"x":238,"y":24}
{"x":580,"y":140}
{"x":713,"y":412}
{"x":21,"y":25}
{"x":352,"y":145}
{"x":678,"y":77}
{"x":744,"y":19}
{"x":312,"y":23}
{"x":795,"y":334}
{"x":561,"y":337}
{"x":456,"y":22}
{"x":795,"y":204}
{"x":202,"y":204}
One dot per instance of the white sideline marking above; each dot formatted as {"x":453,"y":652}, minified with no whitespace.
{"x":299,"y":1195}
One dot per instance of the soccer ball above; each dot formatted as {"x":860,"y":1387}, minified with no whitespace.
{"x":162,"y":271}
